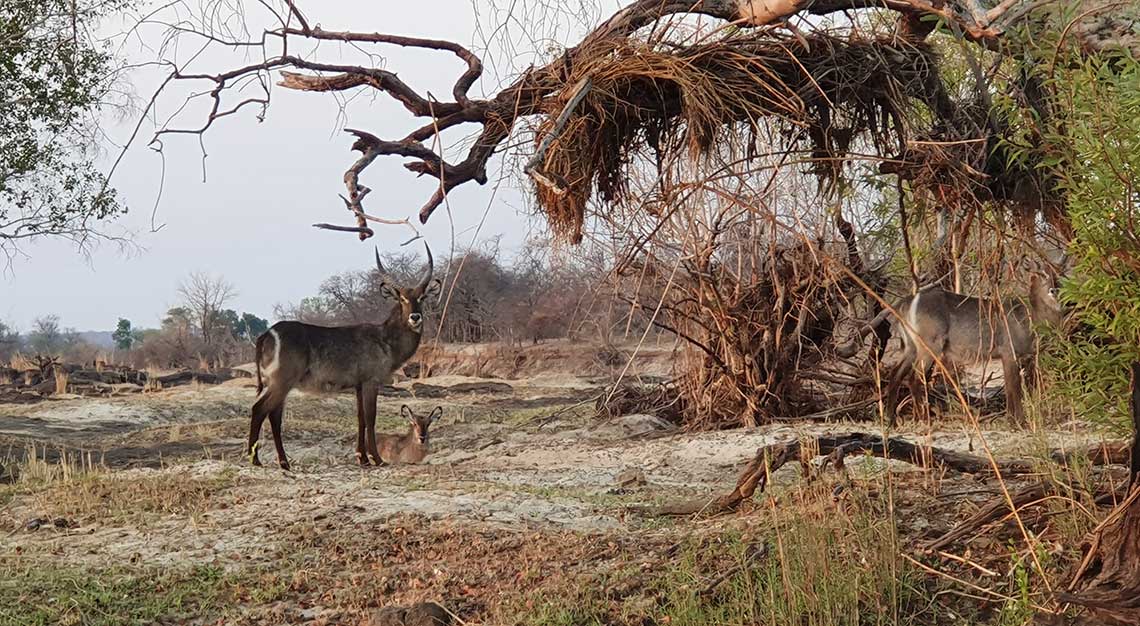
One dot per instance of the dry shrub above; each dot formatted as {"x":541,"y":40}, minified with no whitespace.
{"x":694,"y":99}
{"x":754,"y":334}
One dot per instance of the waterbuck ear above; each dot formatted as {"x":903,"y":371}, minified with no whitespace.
{"x":406,"y":413}
{"x":436,"y":413}
{"x":388,"y":292}
{"x":433,"y":289}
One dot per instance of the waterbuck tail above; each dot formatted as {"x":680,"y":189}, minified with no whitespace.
{"x":257,"y":359}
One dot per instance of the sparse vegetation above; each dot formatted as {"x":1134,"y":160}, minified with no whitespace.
{"x":748,"y":193}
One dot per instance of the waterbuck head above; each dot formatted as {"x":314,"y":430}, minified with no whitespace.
{"x":409,"y":301}
{"x":1043,"y":292}
{"x":420,"y":423}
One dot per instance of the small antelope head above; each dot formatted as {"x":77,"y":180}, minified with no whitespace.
{"x":419,"y":423}
{"x":410,"y":300}
{"x":1043,"y":293}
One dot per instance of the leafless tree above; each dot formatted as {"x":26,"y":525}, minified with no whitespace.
{"x":204,"y":296}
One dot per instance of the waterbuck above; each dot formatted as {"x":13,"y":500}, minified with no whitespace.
{"x":361,"y":357}
{"x":414,"y":445}
{"x":957,"y":330}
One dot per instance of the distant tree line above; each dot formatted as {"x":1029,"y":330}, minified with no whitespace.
{"x":198,"y":333}
{"x":526,"y":300}
{"x":531,"y":298}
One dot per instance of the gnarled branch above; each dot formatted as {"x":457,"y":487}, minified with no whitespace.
{"x":526,"y":96}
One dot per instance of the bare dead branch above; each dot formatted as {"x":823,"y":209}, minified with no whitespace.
{"x":462,"y":85}
{"x":300,"y":17}
{"x":834,"y":448}
{"x":579,"y":92}
{"x":365,"y":232}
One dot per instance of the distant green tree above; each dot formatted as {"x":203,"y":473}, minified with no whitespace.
{"x":178,"y":320}
{"x":252,"y":326}
{"x":55,"y":76}
{"x":226,"y":323}
{"x":124,"y":336}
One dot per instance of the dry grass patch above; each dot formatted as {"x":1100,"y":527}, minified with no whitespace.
{"x":76,"y":488}
{"x":97,"y":497}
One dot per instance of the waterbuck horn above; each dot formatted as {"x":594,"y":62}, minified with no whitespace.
{"x":430,"y":269}
{"x":379,"y":265}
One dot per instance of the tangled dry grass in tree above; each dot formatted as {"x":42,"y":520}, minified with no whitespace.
{"x":756,"y":89}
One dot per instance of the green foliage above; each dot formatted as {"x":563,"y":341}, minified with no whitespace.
{"x":178,"y":319}
{"x":54,"y":78}
{"x":1092,"y":147}
{"x":34,"y":594}
{"x":251,"y":327}
{"x":124,"y":337}
{"x":225,"y":323}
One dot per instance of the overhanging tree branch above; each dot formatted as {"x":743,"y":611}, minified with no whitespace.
{"x":529,"y":95}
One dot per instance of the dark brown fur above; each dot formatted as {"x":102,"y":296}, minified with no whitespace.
{"x":360,"y":357}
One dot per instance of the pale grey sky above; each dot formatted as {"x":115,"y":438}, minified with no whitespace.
{"x":267,"y":182}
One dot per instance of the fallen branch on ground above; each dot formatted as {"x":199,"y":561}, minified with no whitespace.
{"x":999,"y":510}
{"x":834,"y":448}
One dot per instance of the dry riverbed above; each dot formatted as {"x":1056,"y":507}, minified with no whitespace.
{"x":528,"y":510}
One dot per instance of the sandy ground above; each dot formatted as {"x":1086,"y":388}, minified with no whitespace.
{"x":546,"y":464}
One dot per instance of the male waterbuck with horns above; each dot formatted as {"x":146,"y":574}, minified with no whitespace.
{"x":941,"y":326}
{"x":361,"y":357}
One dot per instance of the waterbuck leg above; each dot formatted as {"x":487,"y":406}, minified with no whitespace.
{"x":256,"y":419}
{"x":275,"y":417}
{"x":361,"y":454}
{"x":920,"y":386}
{"x":890,"y":402}
{"x":1012,"y":372}
{"x":1028,"y":373}
{"x":369,"y":401}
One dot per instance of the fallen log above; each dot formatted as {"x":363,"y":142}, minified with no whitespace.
{"x":190,"y":376}
{"x":1000,"y":510}
{"x":1107,"y":453}
{"x":834,"y":448}
{"x":422,"y":390}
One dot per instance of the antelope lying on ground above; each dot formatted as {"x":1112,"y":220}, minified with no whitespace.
{"x":959,"y":330}
{"x":361,"y":357}
{"x":412,"y":446}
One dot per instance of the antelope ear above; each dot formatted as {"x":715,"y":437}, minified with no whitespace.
{"x":436,"y":413}
{"x":388,"y":292}
{"x":406,"y":413}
